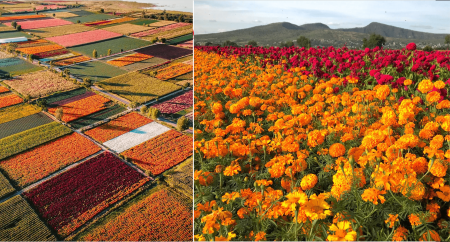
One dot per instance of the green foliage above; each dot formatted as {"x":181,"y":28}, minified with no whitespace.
{"x":230,"y":43}
{"x":94,"y":53}
{"x":19,"y":27}
{"x":153,"y":113}
{"x":109,"y":51}
{"x":252,"y":43}
{"x":427,"y":48}
{"x":374,"y":41}
{"x":182,"y":123}
{"x":302,"y":41}
{"x":59,"y":113}
{"x":144,"y":110}
{"x":447,"y":39}
{"x":87,"y":82}
{"x":14,"y":24}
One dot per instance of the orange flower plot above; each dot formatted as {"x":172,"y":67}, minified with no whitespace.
{"x":158,"y":217}
{"x":129,"y":59}
{"x":39,"y":49}
{"x":117,"y":127}
{"x":10,"y":100}
{"x":72,"y":60}
{"x":35,"y":164}
{"x":81,"y":108}
{"x":173,"y":71}
{"x":291,"y":135}
{"x":3,"y":89}
{"x":162,"y":152}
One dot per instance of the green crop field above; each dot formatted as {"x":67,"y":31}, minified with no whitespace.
{"x":116,"y":45}
{"x":16,"y":66}
{"x":90,"y":18}
{"x":19,"y":222}
{"x":180,"y":39}
{"x":5,"y":187}
{"x":23,"y":124}
{"x":25,"y":140}
{"x":14,"y":34}
{"x":137,"y":87}
{"x":143,"y":21}
{"x":64,"y":95}
{"x":98,"y":116}
{"x":95,"y":70}
{"x":180,"y":177}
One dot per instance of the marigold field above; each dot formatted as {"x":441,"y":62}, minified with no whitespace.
{"x":321,"y":144}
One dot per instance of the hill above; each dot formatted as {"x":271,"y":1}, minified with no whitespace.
{"x":321,"y":35}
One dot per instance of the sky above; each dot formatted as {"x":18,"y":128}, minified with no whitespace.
{"x":222,"y":16}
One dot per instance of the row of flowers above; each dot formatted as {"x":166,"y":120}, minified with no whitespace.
{"x":39,"y":49}
{"x":129,"y":59}
{"x":72,"y":60}
{"x":81,"y":108}
{"x":174,"y":70}
{"x":162,"y":152}
{"x":158,"y":217}
{"x":70,"y":199}
{"x":37,"y":163}
{"x":176,"y":104}
{"x":9,"y":100}
{"x":108,"y":22}
{"x":326,"y":144}
{"x":75,"y":39}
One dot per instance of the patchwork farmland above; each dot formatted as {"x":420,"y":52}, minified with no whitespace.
{"x":95,"y":130}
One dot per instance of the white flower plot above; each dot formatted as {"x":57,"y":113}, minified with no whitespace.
{"x":136,"y":137}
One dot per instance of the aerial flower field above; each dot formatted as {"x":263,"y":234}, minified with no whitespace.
{"x":321,"y":144}
{"x":13,"y":99}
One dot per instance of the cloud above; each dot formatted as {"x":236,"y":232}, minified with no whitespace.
{"x":333,"y":24}
{"x":258,"y":21}
{"x":221,"y":30}
{"x":212,"y":20}
{"x":421,"y":26}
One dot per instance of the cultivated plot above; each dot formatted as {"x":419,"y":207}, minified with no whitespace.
{"x":95,"y":70}
{"x":89,"y":17}
{"x":40,"y":84}
{"x":176,"y":104}
{"x":22,"y":141}
{"x":5,"y":187}
{"x":161,"y":152}
{"x":98,"y":116}
{"x":16,"y":66}
{"x":138,"y":87}
{"x":82,"y":38}
{"x":165,"y":51}
{"x":135,"y":137}
{"x":44,"y":23}
{"x":23,"y":124}
{"x":128,"y":28}
{"x":117,"y":127}
{"x":70,"y":199}
{"x":116,"y":45}
{"x":60,"y":30}
{"x":162,"y":216}
{"x":80,"y":108}
{"x":9,"y":100}
{"x":19,"y":222}
{"x":15,"y":112}
{"x":41,"y":161}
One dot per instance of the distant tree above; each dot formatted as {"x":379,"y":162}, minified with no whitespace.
{"x":14,"y":24}
{"x":78,"y":21}
{"x":374,"y":41}
{"x":102,"y":10}
{"x":208,"y":43}
{"x":229,"y":43}
{"x":19,"y":27}
{"x":163,"y":40}
{"x":144,"y":110}
{"x":59,"y":113}
{"x":154,"y":40}
{"x":87,"y":82}
{"x":427,"y":48}
{"x":45,"y":8}
{"x":109,"y":51}
{"x":42,"y":103}
{"x":34,"y":9}
{"x":447,"y":40}
{"x":252,"y":43}
{"x":289,"y":43}
{"x":54,"y":15}
{"x":303,"y":42}
{"x":94,"y":53}
{"x":182,"y":123}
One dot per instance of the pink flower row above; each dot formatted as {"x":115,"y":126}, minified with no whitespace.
{"x":176,"y":104}
{"x":83,"y":37}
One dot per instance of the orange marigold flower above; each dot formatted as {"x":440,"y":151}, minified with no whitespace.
{"x":407,"y":82}
{"x":242,"y":212}
{"x":437,"y":168}
{"x":317,"y":208}
{"x":400,"y":234}
{"x":337,"y":150}
{"x":443,"y":104}
{"x":420,"y":165}
{"x":391,"y":220}
{"x":433,"y":97}
{"x":260,"y":236}
{"x":414,"y":220}
{"x":315,"y":138}
{"x":342,"y":232}
{"x":372,"y":195}
{"x":444,"y":193}
{"x":439,"y":84}
{"x":430,"y":235}
{"x":382,"y":92}
{"x":308,"y":181}
{"x":232,"y":170}
{"x":425,"y":86}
